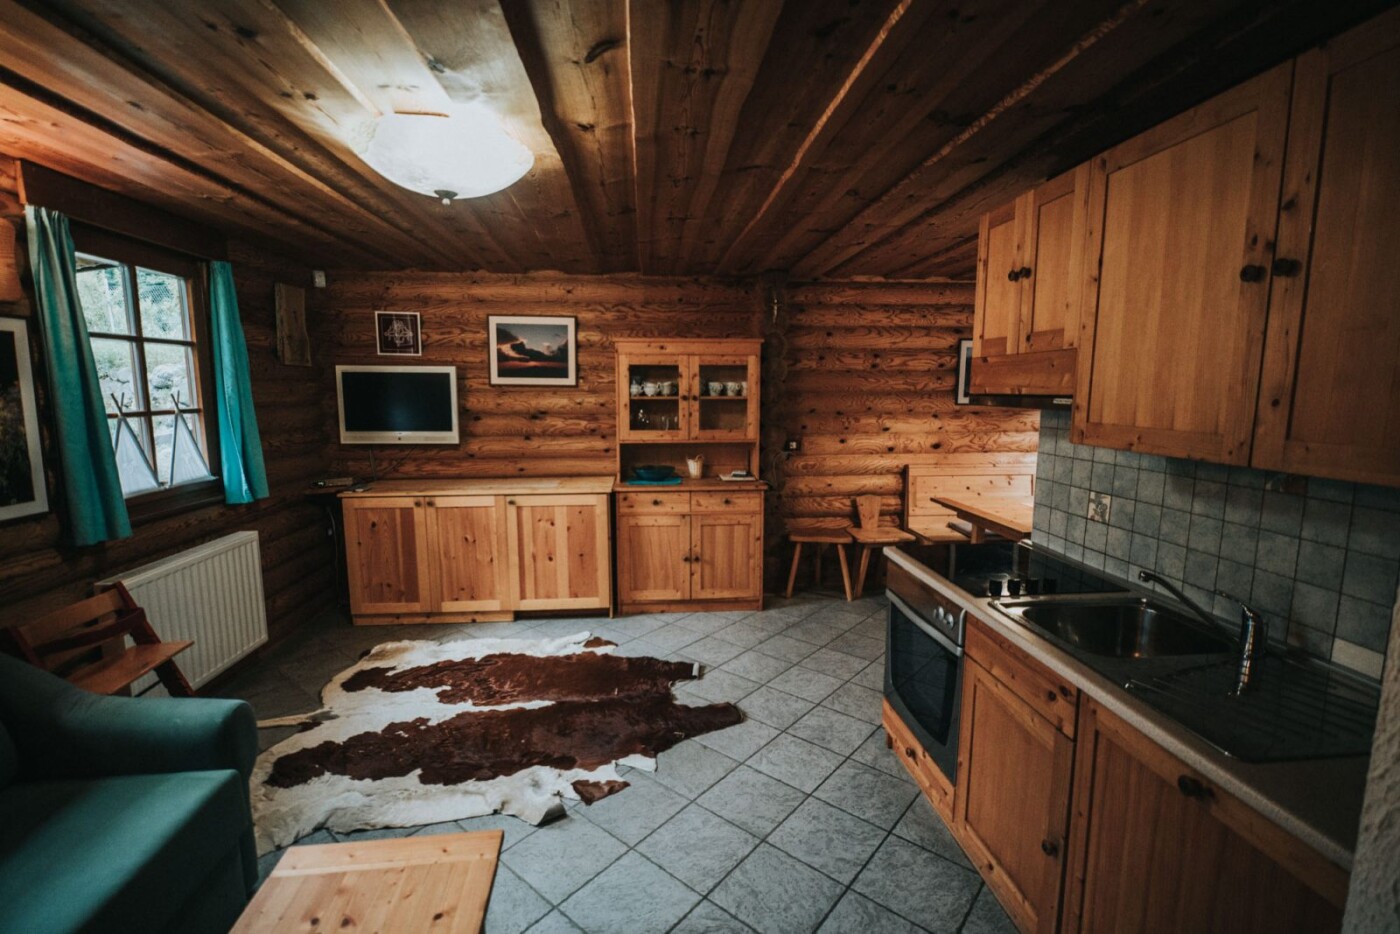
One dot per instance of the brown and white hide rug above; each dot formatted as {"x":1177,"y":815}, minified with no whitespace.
{"x":421,"y":732}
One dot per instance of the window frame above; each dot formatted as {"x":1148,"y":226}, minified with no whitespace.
{"x":94,"y":241}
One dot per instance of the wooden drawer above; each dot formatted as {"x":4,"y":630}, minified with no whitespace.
{"x":915,"y":759}
{"x":653,"y":503}
{"x":726,"y":502}
{"x":1052,"y":697}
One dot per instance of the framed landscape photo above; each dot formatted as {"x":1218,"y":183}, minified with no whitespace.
{"x":22,"y":491}
{"x":533,"y":351}
{"x":398,"y":333}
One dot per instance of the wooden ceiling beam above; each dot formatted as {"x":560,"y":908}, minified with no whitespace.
{"x":577,"y":60}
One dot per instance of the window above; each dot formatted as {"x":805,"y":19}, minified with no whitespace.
{"x":144,"y":310}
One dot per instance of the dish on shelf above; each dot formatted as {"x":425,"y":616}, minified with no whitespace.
{"x":654,"y":472}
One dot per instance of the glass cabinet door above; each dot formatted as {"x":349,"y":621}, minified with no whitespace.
{"x":655,"y":388}
{"x":726,"y":405}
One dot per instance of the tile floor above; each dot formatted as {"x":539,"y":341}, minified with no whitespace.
{"x":798,"y":819}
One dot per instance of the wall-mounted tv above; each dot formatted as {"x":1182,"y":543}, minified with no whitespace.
{"x":397,"y":404}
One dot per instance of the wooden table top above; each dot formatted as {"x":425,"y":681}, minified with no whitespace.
{"x":439,"y":883}
{"x":1011,"y":513}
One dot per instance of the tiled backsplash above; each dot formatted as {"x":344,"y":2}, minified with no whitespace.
{"x":1327,"y":560}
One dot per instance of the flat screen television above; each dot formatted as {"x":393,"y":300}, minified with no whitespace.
{"x":397,"y":404}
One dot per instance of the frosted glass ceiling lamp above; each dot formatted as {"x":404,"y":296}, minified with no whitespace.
{"x":466,"y":154}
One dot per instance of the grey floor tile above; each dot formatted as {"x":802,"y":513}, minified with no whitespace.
{"x":745,"y":633}
{"x":859,"y":646}
{"x":689,"y":768}
{"x":639,"y":625}
{"x":559,"y":858}
{"x":740,"y":741}
{"x":514,"y":828}
{"x":776,"y":893}
{"x":775,"y":707}
{"x":707,"y":623}
{"x":723,"y":686}
{"x":872,"y":676}
{"x":640,"y":648}
{"x":712,"y":650}
{"x":795,"y":761}
{"x":555,"y":923}
{"x":879,"y":798}
{"x":832,"y":729}
{"x":856,"y":914}
{"x":754,"y":801}
{"x":786,"y":648}
{"x":814,"y":631}
{"x":922,"y":826}
{"x":637,"y":810}
{"x":827,"y":839}
{"x":514,"y":905}
{"x":756,"y":666}
{"x":267,"y":738}
{"x":709,"y":918}
{"x":806,"y":683}
{"x":833,"y":663}
{"x":671,"y":638}
{"x":856,"y":701}
{"x":874,"y":753}
{"x":941,"y":899}
{"x":698,"y":847}
{"x":631,"y":895}
{"x":987,"y":916}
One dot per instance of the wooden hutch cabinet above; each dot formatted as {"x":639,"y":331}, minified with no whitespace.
{"x":696,"y":544}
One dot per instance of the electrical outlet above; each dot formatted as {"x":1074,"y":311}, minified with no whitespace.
{"x":318,"y":278}
{"x":792,"y":445}
{"x":1100,"y":505}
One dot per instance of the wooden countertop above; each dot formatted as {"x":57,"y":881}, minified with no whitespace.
{"x":483,"y":486}
{"x":688,"y":485}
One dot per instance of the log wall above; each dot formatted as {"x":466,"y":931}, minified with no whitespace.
{"x":37,"y":572}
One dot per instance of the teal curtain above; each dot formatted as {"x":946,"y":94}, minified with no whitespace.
{"x":92,"y":487}
{"x":240,"y":446}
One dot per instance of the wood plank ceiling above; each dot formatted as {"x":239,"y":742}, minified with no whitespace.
{"x":834,"y":138}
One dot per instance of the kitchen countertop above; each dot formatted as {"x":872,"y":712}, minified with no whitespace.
{"x":483,"y":486}
{"x":1316,"y":800}
{"x":688,"y":485}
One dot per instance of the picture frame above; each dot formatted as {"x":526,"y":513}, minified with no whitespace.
{"x":963,"y":395}
{"x":23,"y":491}
{"x":293,"y":344}
{"x":398,"y":333}
{"x":533,"y":351}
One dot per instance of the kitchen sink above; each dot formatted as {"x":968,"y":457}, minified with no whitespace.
{"x":1122,"y":627}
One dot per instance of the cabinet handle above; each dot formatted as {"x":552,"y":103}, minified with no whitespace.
{"x":1288,"y":268}
{"x":1049,"y":847}
{"x":1023,"y":273}
{"x":1192,"y":787}
{"x":726,"y":501}
{"x":909,"y":752}
{"x":1013,"y":275}
{"x":417,"y":502}
{"x":685,"y":559}
{"x":431,"y":503}
{"x":1252,"y":273}
{"x":1051,"y":696}
{"x":510,"y":502}
{"x":656,"y":502}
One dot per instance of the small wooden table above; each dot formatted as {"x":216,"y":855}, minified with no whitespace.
{"x":1009,"y":517}
{"x":437,"y":883}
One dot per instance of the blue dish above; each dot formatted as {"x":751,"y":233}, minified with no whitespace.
{"x":654,"y":472}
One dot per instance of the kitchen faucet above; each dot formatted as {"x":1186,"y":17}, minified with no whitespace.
{"x":1254,"y":630}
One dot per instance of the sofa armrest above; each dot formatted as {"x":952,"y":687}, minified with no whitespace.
{"x":62,"y":731}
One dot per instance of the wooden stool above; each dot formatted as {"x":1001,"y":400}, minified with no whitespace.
{"x":872,"y":536}
{"x":821,"y":538}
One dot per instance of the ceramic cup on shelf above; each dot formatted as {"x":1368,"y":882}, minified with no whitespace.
{"x":695,"y":466}
{"x":668,"y":388}
{"x":716,"y":389}
{"x":734,"y":389}
{"x":649,"y":388}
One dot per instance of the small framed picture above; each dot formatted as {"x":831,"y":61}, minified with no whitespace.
{"x":22,"y":490}
{"x":964,"y":371}
{"x":528,"y":351}
{"x":398,"y":333}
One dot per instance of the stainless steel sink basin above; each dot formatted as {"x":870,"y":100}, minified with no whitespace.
{"x":1123,"y":627}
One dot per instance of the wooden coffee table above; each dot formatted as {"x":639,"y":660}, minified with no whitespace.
{"x":436,"y":883}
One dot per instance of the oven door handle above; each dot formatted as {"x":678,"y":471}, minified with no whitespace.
{"x":927,"y":627}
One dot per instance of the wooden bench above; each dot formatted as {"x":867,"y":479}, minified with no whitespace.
{"x":963,"y":477}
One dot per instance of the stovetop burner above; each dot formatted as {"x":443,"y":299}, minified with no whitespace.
{"x":995,"y":569}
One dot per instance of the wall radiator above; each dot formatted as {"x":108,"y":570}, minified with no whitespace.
{"x":211,"y":594}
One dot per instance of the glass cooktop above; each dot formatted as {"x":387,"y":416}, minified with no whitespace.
{"x":997,"y":569}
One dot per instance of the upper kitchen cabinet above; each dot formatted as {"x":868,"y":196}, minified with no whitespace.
{"x":1029,"y":286}
{"x":1329,"y":402}
{"x":1181,"y":224}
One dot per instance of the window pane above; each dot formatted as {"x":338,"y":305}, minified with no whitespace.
{"x":116,"y":372}
{"x":164,"y":308}
{"x":102,"y":291}
{"x":133,"y":461}
{"x":169,"y":367}
{"x":182,"y":457}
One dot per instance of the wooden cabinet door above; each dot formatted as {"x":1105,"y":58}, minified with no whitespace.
{"x":386,"y":549}
{"x":1179,"y":217}
{"x":558,"y":548}
{"x":723,"y":416}
{"x":997,"y":302}
{"x":1012,"y":798}
{"x":1330,"y":396}
{"x":653,"y":558}
{"x":726,"y":556}
{"x":1051,"y":291}
{"x":467,"y":535}
{"x":662,"y":416}
{"x":1156,"y":848}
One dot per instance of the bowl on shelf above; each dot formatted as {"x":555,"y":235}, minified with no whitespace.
{"x":654,"y":472}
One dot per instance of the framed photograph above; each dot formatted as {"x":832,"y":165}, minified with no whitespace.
{"x":964,"y":371}
{"x":528,"y":351}
{"x":398,"y":333}
{"x":22,"y":490}
{"x":293,"y":345}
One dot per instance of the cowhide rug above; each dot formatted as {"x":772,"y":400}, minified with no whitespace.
{"x":421,"y":732}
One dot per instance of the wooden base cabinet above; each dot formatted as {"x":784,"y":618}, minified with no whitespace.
{"x":455,"y":552}
{"x":1157,"y":848}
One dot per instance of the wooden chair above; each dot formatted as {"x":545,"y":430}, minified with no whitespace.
{"x":820,"y":538}
{"x":871,"y":535}
{"x":85,"y":643}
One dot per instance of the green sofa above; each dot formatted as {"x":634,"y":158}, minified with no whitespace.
{"x":121,"y":814}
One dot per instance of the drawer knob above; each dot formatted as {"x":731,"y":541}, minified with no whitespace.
{"x":1286,"y":267}
{"x":656,"y":502}
{"x":1252,"y":273}
{"x":1192,"y":787}
{"x":909,"y":752}
{"x":1023,"y":273}
{"x":726,"y":501}
{"x":1049,"y":847}
{"x":1051,"y":696}
{"x":510,"y":502}
{"x":1013,"y":275}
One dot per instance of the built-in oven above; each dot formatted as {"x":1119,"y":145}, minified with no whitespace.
{"x":923,"y":665}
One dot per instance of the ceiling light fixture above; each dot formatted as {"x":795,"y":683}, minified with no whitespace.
{"x":465,"y":154}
